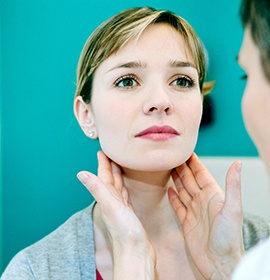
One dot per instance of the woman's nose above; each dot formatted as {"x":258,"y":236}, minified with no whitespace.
{"x":158,"y":102}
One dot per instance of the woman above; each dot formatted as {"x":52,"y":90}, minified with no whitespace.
{"x":254,"y":58}
{"x":156,"y":91}
{"x":139,"y":91}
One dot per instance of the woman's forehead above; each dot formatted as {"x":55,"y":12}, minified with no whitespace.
{"x":159,"y":40}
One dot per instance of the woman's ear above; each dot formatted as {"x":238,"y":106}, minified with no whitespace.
{"x":85,"y":118}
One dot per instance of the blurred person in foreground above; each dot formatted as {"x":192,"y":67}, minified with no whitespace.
{"x":254,"y":58}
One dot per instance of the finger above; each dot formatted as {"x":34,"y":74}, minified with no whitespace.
{"x":185,"y":197}
{"x":187,"y":179}
{"x":117,"y":176}
{"x":178,"y":207}
{"x":201,"y":174}
{"x":233,"y":198}
{"x":183,"y":194}
{"x":126,"y":197}
{"x":119,"y":183}
{"x":176,"y":179}
{"x":104,"y":168}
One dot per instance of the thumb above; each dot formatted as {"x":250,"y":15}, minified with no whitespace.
{"x":233,"y":196}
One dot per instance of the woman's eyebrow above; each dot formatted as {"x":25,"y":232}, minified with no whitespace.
{"x":139,"y":64}
{"x":131,"y":64}
{"x":182,"y":64}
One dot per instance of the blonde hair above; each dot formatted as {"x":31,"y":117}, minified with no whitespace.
{"x":114,"y":33}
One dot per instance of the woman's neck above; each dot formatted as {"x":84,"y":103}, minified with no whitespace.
{"x":148,"y":194}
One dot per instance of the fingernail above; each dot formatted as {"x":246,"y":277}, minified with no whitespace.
{"x":82,"y":177}
{"x":238,"y":166}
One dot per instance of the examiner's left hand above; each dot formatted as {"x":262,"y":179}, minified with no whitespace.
{"x":211,"y":220}
{"x":133,"y":252}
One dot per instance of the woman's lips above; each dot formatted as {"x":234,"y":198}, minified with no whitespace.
{"x":158,"y":133}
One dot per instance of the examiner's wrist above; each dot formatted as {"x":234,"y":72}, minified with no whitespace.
{"x":136,"y":262}
{"x":134,"y":265}
{"x":225,"y":268}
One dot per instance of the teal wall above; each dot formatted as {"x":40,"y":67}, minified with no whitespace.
{"x":1,"y":186}
{"x":43,"y":147}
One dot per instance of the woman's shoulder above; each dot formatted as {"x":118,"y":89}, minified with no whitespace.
{"x":63,"y":254}
{"x":255,"y":229}
{"x":75,"y":230}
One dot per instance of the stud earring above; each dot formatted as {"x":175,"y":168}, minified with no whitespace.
{"x":91,"y":133}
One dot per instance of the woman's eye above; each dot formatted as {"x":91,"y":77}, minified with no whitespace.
{"x":126,"y":82}
{"x":183,"y":81}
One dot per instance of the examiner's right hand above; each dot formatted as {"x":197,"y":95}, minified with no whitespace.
{"x":211,"y":219}
{"x":132,"y":249}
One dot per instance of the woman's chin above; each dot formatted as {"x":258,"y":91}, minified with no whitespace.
{"x":156,"y":166}
{"x":151,"y":162}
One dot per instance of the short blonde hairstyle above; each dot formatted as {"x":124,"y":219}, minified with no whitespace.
{"x":114,"y":33}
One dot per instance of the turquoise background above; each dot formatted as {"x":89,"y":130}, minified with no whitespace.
{"x":42,"y":145}
{"x":1,"y":185}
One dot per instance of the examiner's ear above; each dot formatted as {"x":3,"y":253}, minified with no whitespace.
{"x":85,"y":118}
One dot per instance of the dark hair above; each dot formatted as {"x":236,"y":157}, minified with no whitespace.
{"x":255,"y":14}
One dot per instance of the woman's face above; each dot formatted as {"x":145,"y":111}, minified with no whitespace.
{"x":256,"y":98}
{"x":146,"y":102}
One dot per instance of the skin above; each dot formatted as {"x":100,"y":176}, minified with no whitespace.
{"x":148,"y":220}
{"x":202,"y":207}
{"x":255,"y":101}
{"x":153,"y":99}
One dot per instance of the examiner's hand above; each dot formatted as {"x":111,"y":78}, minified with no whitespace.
{"x":211,"y":220}
{"x":133,"y":252}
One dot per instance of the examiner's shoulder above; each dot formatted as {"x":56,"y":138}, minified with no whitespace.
{"x":62,"y":250}
{"x":255,"y":263}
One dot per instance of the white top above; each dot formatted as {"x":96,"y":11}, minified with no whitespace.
{"x":255,"y":265}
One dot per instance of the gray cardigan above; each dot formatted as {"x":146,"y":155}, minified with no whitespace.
{"x":69,"y":251}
